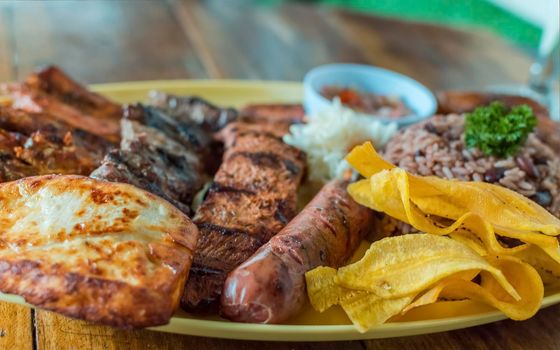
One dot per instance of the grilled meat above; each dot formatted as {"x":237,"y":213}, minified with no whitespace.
{"x":52,"y":92}
{"x":103,"y":252}
{"x":273,"y":113}
{"x":140,"y":163}
{"x":325,"y":233}
{"x":53,"y":146}
{"x":194,"y":109}
{"x":159,"y":154}
{"x":252,"y":198}
{"x":52,"y":157}
{"x":185,"y":132}
{"x":11,"y":167}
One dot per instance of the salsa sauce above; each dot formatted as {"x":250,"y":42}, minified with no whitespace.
{"x":368,"y":103}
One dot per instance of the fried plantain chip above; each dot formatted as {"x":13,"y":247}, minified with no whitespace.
{"x":395,"y":270}
{"x":398,"y":266}
{"x":443,"y":309}
{"x":480,"y":208}
{"x":432,"y":295}
{"x":522,"y":276}
{"x":548,"y":268}
{"x":366,"y":311}
{"x":322,"y":288}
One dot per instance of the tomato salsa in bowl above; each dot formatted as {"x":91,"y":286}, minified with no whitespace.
{"x":379,"y":93}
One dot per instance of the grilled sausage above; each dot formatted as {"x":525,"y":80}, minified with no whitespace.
{"x":270,"y":286}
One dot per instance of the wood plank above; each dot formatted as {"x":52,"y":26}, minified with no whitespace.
{"x":100,"y":41}
{"x":55,"y":332}
{"x":248,"y":40}
{"x":6,"y":42}
{"x":440,"y":57}
{"x":15,"y":327}
{"x":540,"y":332}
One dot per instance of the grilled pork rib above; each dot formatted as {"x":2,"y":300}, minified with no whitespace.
{"x":11,"y":167}
{"x":52,"y":146}
{"x":52,"y":92}
{"x":253,"y":197}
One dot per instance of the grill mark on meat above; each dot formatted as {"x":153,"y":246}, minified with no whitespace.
{"x":269,"y":160}
{"x":291,"y":166}
{"x":225,"y":231}
{"x":217,"y":187}
{"x":266,"y":159}
{"x":205,"y":270}
{"x":283,"y":212}
{"x":252,"y":132}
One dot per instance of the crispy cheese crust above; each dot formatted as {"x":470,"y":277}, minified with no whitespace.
{"x":103,"y":252}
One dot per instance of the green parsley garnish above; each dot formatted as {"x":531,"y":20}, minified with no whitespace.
{"x":497,"y":130}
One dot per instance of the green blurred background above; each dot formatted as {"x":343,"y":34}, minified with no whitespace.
{"x":457,"y":13}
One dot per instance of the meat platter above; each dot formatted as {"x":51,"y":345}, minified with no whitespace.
{"x":308,"y":325}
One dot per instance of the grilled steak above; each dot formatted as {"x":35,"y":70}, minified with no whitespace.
{"x":52,"y":92}
{"x":159,"y":154}
{"x":104,"y":252}
{"x":194,"y":109}
{"x":185,"y":132}
{"x":252,"y":198}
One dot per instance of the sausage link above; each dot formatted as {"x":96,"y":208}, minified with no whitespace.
{"x":270,"y":286}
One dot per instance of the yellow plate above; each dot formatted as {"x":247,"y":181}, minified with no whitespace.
{"x":309,"y":326}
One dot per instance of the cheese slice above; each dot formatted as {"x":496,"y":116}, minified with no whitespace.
{"x":104,"y":252}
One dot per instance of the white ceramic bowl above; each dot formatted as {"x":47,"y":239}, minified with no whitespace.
{"x":419,"y":99}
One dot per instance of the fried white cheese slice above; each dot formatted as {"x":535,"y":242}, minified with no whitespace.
{"x":104,"y":252}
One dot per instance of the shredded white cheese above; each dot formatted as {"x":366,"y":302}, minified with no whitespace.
{"x":330,"y":134}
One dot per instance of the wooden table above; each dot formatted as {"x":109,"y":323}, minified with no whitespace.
{"x":105,"y":41}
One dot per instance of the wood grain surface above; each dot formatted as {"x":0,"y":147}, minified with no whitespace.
{"x":108,"y":41}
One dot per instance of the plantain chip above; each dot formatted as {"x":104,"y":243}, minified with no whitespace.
{"x":432,"y":295}
{"x":322,"y":289}
{"x":366,"y":161}
{"x":366,"y":311}
{"x":482,"y":209}
{"x":444,"y":309}
{"x":395,"y":270}
{"x":498,"y":205}
{"x":398,"y":266}
{"x":522,"y":276}
{"x":548,"y":268}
